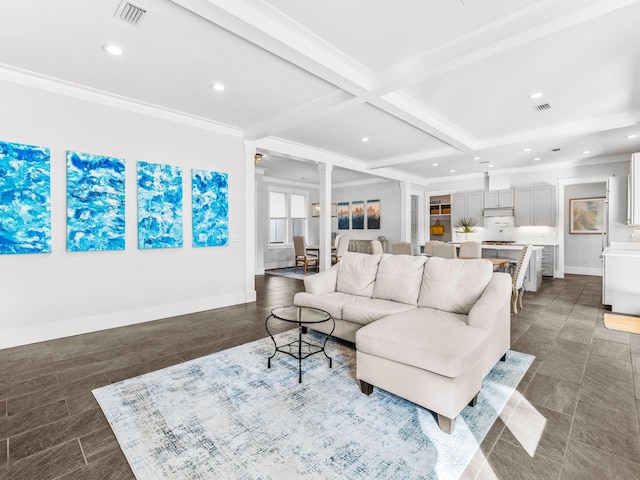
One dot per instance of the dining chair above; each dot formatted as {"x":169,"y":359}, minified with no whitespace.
{"x":341,"y":248}
{"x":303,"y":258}
{"x":518,"y":277}
{"x":402,"y":248}
{"x":428,"y":246}
{"x":445,"y":250}
{"x":376,"y":247}
{"x":470,"y":249}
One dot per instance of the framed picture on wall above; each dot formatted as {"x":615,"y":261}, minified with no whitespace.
{"x":357,"y":215}
{"x":373,"y":214}
{"x":586,"y":215}
{"x":343,"y":216}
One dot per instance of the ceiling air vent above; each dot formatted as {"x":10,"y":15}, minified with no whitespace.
{"x":542,"y":107}
{"x":129,"y":12}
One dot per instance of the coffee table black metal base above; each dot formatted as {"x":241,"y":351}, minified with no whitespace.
{"x":300,"y":349}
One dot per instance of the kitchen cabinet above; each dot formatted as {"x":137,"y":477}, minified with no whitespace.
{"x":466,"y":204}
{"x":499,"y":198}
{"x":633,"y":199}
{"x":535,"y":206}
{"x":548,"y":260}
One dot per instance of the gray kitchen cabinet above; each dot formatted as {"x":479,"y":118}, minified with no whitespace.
{"x":535,"y":206}
{"x":466,"y":204}
{"x":548,"y":260}
{"x":499,"y":198}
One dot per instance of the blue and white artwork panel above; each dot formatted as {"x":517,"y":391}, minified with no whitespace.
{"x":210,"y":202}
{"x":25,"y":198}
{"x":95,"y":202}
{"x":159,"y":206}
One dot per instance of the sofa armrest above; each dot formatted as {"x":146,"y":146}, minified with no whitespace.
{"x":322,"y":282}
{"x":493,"y":303}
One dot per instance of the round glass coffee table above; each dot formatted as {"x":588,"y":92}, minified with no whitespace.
{"x":300,"y":349}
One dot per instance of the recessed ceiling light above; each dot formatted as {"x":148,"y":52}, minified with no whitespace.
{"x":364,"y":139}
{"x":451,"y":171}
{"x":633,"y":135}
{"x":491,"y":165}
{"x":217,"y":86}
{"x":527,"y":150}
{"x":537,"y":159}
{"x":586,"y":151}
{"x":112,"y":49}
{"x":434,"y":164}
{"x":535,"y":95}
{"x":476,"y":158}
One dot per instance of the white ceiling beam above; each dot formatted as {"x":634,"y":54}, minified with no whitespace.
{"x":412,"y":157}
{"x":315,"y":109}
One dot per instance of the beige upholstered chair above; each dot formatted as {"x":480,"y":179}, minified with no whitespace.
{"x":470,"y":249}
{"x":428,"y":246}
{"x":342,"y":245}
{"x":376,"y":246}
{"x":518,"y":277}
{"x":302,"y":257}
{"x":445,"y":250}
{"x":402,"y":248}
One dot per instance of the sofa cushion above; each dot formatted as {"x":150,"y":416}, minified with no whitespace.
{"x":366,"y":310}
{"x":357,"y":273}
{"x":399,"y":278}
{"x":437,"y":341}
{"x":454,"y":285}
{"x":331,"y":303}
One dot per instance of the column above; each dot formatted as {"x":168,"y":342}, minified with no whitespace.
{"x":325,"y":215}
{"x":405,"y":212}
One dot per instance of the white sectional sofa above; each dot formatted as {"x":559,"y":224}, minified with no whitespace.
{"x":425,"y":329}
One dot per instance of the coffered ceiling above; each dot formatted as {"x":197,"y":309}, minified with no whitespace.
{"x":440,"y":88}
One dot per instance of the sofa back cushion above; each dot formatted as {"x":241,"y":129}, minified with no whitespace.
{"x":454,"y":285}
{"x":399,"y":278}
{"x":357,"y":274}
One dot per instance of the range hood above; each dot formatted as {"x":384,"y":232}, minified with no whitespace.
{"x":498,"y":212}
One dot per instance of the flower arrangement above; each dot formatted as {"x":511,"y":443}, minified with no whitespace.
{"x":466,"y":225}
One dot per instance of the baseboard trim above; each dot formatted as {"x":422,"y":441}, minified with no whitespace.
{"x":594,"y":272}
{"x":93,"y":323}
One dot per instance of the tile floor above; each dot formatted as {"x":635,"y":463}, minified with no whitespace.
{"x":574,"y":416}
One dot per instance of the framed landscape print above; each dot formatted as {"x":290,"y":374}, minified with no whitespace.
{"x":357,"y":215}
{"x":343,"y":216}
{"x":373,"y":214}
{"x":586,"y":215}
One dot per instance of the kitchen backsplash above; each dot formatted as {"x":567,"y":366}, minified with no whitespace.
{"x":503,"y":228}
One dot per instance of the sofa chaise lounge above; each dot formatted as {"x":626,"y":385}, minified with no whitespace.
{"x":425,"y":329}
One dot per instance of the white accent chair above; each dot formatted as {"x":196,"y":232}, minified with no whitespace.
{"x":445,"y":250}
{"x":302,"y":257}
{"x":429,"y":244}
{"x":342,"y":245}
{"x":376,"y":247}
{"x":402,"y":248}
{"x":470,"y":249}
{"x":518,"y":277}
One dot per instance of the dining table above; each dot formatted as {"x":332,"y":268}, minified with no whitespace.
{"x":499,"y":264}
{"x":315,"y":250}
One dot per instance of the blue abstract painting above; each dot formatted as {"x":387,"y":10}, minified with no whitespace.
{"x":95,"y":203}
{"x":25,"y":198}
{"x":210,"y":200}
{"x":159,"y":206}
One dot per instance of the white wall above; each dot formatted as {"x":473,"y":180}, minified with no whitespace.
{"x":582,"y":251}
{"x":389,"y":195}
{"x":64,"y":293}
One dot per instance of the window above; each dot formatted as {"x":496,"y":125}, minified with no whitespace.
{"x":287,"y":216}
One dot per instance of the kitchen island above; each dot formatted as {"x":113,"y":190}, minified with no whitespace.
{"x":511,"y":251}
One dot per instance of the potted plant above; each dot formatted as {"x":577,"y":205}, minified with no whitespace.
{"x":466,"y":225}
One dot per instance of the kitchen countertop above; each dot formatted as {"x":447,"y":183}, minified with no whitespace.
{"x":512,"y":246}
{"x":622,"y":249}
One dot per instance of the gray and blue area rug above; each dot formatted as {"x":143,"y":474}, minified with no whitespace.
{"x":290,"y":273}
{"x":226,"y":416}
